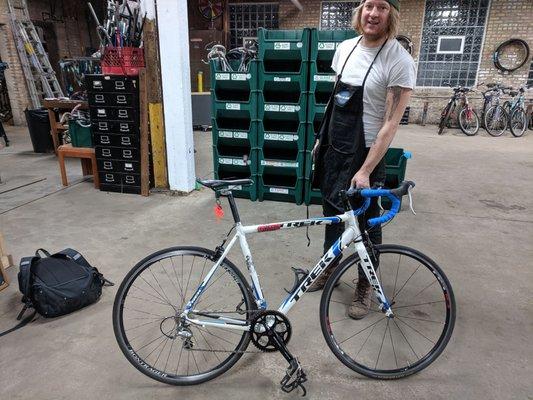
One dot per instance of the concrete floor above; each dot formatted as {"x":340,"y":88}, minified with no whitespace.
{"x":474,"y":203}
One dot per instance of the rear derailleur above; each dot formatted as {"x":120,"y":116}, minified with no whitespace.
{"x":271,"y":331}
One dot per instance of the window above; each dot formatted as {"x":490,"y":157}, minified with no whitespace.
{"x":337,"y":15}
{"x":452,"y":37}
{"x":530,"y":78}
{"x":246,"y":18}
{"x":451,"y":45}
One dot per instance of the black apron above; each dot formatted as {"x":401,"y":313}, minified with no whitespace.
{"x":342,"y":149}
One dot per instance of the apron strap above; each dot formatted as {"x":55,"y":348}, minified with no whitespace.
{"x":371,"y":65}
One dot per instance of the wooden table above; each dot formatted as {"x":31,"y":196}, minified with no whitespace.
{"x":55,"y":108}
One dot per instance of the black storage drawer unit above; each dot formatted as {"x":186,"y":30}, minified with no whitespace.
{"x":118,"y":114}
{"x":114,"y":99}
{"x":111,"y":139}
{"x":115,"y":127}
{"x":111,"y":83}
{"x":115,"y":124}
{"x":119,"y":166}
{"x":117,"y":153}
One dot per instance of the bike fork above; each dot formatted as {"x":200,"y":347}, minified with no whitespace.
{"x":366,"y":265}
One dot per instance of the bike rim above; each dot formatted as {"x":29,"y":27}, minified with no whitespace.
{"x":155,"y":294}
{"x":408,"y":342}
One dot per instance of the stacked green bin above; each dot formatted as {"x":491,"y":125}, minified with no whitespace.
{"x":321,"y":83}
{"x":395,"y":166}
{"x":282,"y":101}
{"x":234,"y":98}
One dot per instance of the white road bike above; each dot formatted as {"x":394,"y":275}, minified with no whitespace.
{"x":185,"y":315}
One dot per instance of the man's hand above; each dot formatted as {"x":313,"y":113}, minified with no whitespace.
{"x":360,"y":180}
{"x":315,"y":151}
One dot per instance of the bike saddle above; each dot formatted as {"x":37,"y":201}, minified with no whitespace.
{"x":221,"y":183}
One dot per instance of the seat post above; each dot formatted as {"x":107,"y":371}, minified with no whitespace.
{"x":233,"y":207}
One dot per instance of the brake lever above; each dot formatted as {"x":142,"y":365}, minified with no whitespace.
{"x":411,"y":199}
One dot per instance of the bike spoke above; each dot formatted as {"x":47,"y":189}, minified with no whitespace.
{"x":382,"y":341}
{"x":362,"y":330}
{"x":410,"y":326}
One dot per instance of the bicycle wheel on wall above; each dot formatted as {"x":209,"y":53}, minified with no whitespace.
{"x":148,"y":305}
{"x":495,"y":121}
{"x":518,"y":122}
{"x":379,"y":347}
{"x":468,"y":121}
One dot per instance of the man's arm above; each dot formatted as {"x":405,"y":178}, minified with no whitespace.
{"x":397,"y":100}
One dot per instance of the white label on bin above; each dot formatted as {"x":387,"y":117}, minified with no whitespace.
{"x":222,"y":77}
{"x":280,"y":137}
{"x":281,"y":108}
{"x":281,"y":79}
{"x":236,"y":187}
{"x":230,"y":135}
{"x":324,"y":78}
{"x":232,"y":161}
{"x":281,"y":164}
{"x":233,"y":106}
{"x":299,"y":45}
{"x":279,"y":190}
{"x":238,"y":77}
{"x":326,"y":46}
{"x":282,"y":46}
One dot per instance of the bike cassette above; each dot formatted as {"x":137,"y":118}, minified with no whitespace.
{"x":263,"y":327}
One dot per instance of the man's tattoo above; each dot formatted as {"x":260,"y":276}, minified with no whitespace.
{"x":392,"y":105}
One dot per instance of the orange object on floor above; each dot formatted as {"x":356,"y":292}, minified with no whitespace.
{"x":87,"y":158}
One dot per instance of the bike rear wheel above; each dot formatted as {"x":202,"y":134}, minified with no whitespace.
{"x":518,"y":122}
{"x":468,"y":121}
{"x":147,"y":308}
{"x":496,"y":121}
{"x":444,"y":117}
{"x":379,"y":347}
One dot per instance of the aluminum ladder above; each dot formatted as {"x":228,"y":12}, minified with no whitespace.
{"x":40,"y":77}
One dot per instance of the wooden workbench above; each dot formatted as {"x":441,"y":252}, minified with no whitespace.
{"x":55,"y":108}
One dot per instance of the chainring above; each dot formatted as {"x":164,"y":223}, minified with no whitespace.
{"x":264,"y":324}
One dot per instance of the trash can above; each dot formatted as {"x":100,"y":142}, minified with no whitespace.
{"x":39,"y":128}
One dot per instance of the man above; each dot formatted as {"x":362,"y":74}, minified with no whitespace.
{"x":375,"y":77}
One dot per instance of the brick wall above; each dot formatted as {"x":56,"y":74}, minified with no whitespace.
{"x":16,"y":86}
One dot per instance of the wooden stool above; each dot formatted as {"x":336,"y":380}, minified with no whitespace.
{"x":87,"y":158}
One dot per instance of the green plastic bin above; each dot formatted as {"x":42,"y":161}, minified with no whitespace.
{"x":283,"y":51}
{"x":80,"y":134}
{"x":233,"y":86}
{"x":229,"y":163}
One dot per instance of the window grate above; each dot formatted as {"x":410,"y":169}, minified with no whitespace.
{"x":245,"y":19}
{"x":337,"y":15}
{"x":530,"y":78}
{"x":451,"y":18}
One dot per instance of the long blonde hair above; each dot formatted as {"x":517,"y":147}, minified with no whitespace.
{"x":394,"y":20}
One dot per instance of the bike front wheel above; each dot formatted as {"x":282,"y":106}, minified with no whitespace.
{"x":468,"y":121}
{"x":147,"y":323}
{"x":380,"y":347}
{"x":518,"y":122}
{"x":496,"y":121}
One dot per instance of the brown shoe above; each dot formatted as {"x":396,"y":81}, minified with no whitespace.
{"x":360,"y":306}
{"x":322,"y":279}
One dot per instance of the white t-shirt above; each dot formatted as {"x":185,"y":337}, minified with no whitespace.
{"x":393,"y":67}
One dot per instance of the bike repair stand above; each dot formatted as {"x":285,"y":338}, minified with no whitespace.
{"x":271,"y":331}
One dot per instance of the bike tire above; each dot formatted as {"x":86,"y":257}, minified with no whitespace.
{"x":133,"y":352}
{"x":344,"y":353}
{"x":531,"y":122}
{"x":463,"y":119}
{"x":445,"y":115}
{"x":518,"y":122}
{"x":490,"y":124}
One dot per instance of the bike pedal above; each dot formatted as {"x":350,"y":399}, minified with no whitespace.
{"x":294,"y":378}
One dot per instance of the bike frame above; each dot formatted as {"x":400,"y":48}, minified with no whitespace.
{"x":351,"y":234}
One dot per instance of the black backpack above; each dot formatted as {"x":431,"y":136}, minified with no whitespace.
{"x":57,"y":284}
